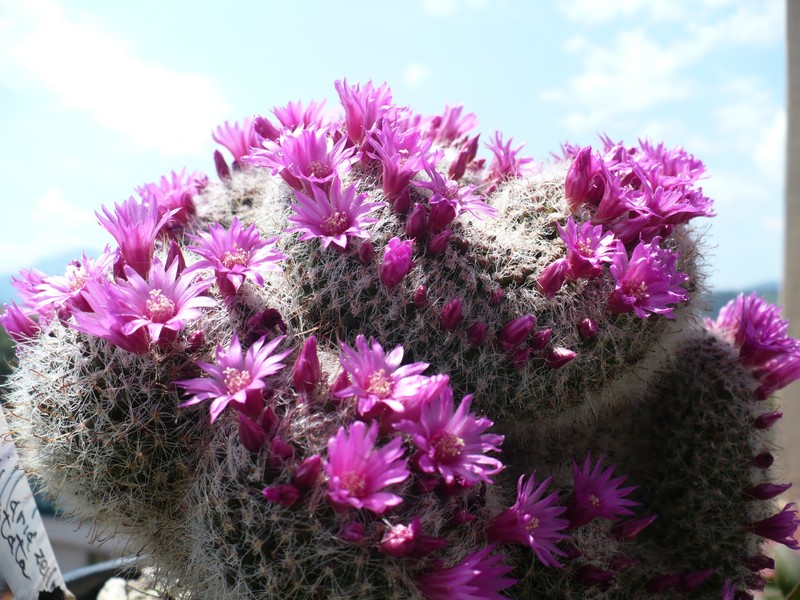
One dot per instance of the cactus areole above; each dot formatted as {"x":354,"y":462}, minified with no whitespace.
{"x":374,"y":358}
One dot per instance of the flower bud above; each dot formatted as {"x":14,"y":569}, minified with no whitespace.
{"x":285,"y":494}
{"x":767,"y":420}
{"x":691,"y":581}
{"x":396,"y":262}
{"x":558,"y":357}
{"x":438,"y":243}
{"x":540,"y":339}
{"x":420,"y":297}
{"x":588,"y":329}
{"x":417,"y":222}
{"x":516,"y":331}
{"x":306,"y":371}
{"x":366,"y":252}
{"x":265,"y":129}
{"x":476,"y":334}
{"x":764,"y":460}
{"x":451,"y":315}
{"x":590,"y":576}
{"x":353,"y":532}
{"x":765,"y":491}
{"x":442,"y":214}
{"x":497,"y":295}
{"x":223,"y":171}
{"x":279,"y":452}
{"x":306,"y":474}
{"x":552,"y":278}
{"x":251,"y":434}
{"x":627,"y":530}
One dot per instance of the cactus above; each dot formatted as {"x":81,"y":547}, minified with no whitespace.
{"x":366,"y":363}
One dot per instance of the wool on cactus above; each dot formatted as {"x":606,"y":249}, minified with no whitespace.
{"x":366,"y":363}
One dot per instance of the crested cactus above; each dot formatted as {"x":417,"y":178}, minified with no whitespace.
{"x":366,"y":363}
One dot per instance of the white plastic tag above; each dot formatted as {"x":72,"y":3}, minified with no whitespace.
{"x":26,"y":557}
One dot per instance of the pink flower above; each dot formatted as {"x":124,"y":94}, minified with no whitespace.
{"x":294,"y":115}
{"x":396,"y":261}
{"x":379,"y":382}
{"x":235,"y":254}
{"x":235,"y":378}
{"x":402,"y":154}
{"x":238,"y":139}
{"x":357,"y":471}
{"x":451,"y":126}
{"x":505,"y":164}
{"x":532,"y":521}
{"x":163,"y":301}
{"x":63,"y":292}
{"x":452,"y":441}
{"x":407,"y":540}
{"x":135,"y":225}
{"x":586,"y":180}
{"x":587,"y":248}
{"x":648,"y":282}
{"x":305,"y":158}
{"x":597,"y":494}
{"x":780,"y":527}
{"x":18,"y":323}
{"x":461,"y":198}
{"x":332,"y":215}
{"x":478,"y":577}
{"x":363,"y":107}
{"x":174,"y":195}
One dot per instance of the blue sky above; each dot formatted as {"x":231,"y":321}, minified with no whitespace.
{"x":99,"y":97}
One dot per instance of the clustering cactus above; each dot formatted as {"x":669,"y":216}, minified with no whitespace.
{"x":365,"y":363}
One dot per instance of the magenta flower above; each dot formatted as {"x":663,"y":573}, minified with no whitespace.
{"x":174,"y":195}
{"x":396,"y":261}
{"x":135,"y":225}
{"x":104,"y":318}
{"x":597,"y":494}
{"x":357,"y":471}
{"x":18,"y":323}
{"x":235,"y":254}
{"x":402,"y":154}
{"x":532,"y":521}
{"x":363,"y":107}
{"x":587,"y":248}
{"x":305,"y":157}
{"x":162,"y":303}
{"x":452,"y":440}
{"x":648,"y":282}
{"x":236,"y":378}
{"x":461,"y":198}
{"x":755,"y":327}
{"x":63,"y":292}
{"x":379,"y":382}
{"x":451,"y":126}
{"x":780,"y":527}
{"x":505,"y":164}
{"x":586,"y":180}
{"x":294,"y":115}
{"x":332,"y":215}
{"x":480,"y":576}
{"x":238,"y":139}
{"x":401,"y":541}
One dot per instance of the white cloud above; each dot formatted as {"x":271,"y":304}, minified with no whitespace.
{"x":91,"y":70}
{"x":445,"y":8}
{"x":416,"y":74}
{"x":56,"y":225}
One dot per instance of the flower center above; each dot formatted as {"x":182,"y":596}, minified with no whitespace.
{"x":354,"y":484}
{"x":450,"y":189}
{"x":378,"y":384}
{"x":77,"y":280}
{"x":532,"y":525}
{"x":585,"y":248}
{"x":335,"y":223}
{"x":398,"y":535}
{"x":160,"y":309}
{"x":635,"y":290}
{"x":594,"y":501}
{"x":446,"y":447}
{"x":236,"y":256}
{"x":236,"y":380}
{"x":319,"y":170}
